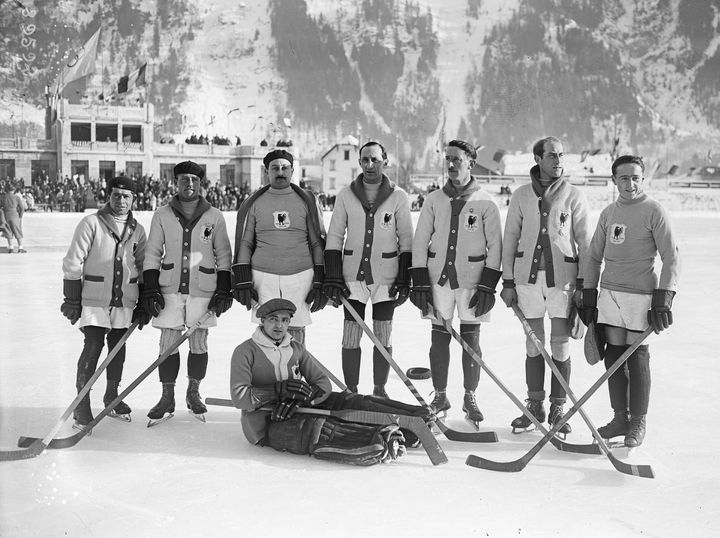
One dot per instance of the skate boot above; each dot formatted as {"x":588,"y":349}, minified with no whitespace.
{"x":194,"y":402}
{"x":165,"y":407}
{"x":470,"y":408}
{"x":556,"y":414}
{"x":379,"y":391}
{"x":83,"y":414}
{"x":440,"y":403}
{"x":523,"y":423}
{"x":619,"y":425}
{"x":352,"y":388}
{"x":635,"y":436}
{"x":122,"y":410}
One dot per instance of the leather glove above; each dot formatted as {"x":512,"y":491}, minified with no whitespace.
{"x":243,"y":290}
{"x":293,"y":389}
{"x":222,"y":299}
{"x":139,"y":313}
{"x":577,"y":294}
{"x":316,"y":298}
{"x":588,"y":311}
{"x":151,"y":298}
{"x":421,"y":291}
{"x":401,"y":286}
{"x":334,"y":285}
{"x":72,"y":304}
{"x":508,"y":293}
{"x":660,"y":316}
{"x":283,"y":410}
{"x":484,"y":298}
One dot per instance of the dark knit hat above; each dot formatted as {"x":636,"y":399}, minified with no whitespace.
{"x":189,"y":167}
{"x":277,"y":154}
{"x":273,"y":305}
{"x":122,"y":182}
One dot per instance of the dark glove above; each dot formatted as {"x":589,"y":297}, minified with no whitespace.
{"x":222,"y":299}
{"x":316,"y":298}
{"x":588,"y":311}
{"x":243,"y":290}
{"x":293,"y":389}
{"x":151,"y":298}
{"x":401,"y":286}
{"x":660,"y":316}
{"x":484,"y":298}
{"x":72,"y":305}
{"x":577,"y":294}
{"x":139,"y":313}
{"x":334,"y":286}
{"x":508,"y":293}
{"x":421,"y":291}
{"x":283,"y":410}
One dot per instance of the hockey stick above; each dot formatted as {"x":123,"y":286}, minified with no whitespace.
{"x":414,"y":424}
{"x":521,"y":463}
{"x":39,"y":445}
{"x":644,"y":471}
{"x":67,"y":442}
{"x":557,"y":443}
{"x":452,"y":435}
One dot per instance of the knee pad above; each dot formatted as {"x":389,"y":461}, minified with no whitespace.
{"x":352,"y":332}
{"x":168,"y":337}
{"x":198,"y":341}
{"x":383,"y":331}
{"x":538,"y":326}
{"x":560,"y":347}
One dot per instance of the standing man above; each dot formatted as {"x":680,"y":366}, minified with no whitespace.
{"x":372,"y":262}
{"x":456,"y":264}
{"x":186,"y":273}
{"x":14,"y":207}
{"x":101,"y":273}
{"x":546,"y":233}
{"x":629,"y":234}
{"x":279,"y":241}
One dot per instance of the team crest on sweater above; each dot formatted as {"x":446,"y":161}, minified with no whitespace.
{"x":617,"y":234}
{"x":387,"y":220}
{"x":470,"y":221}
{"x":281,"y":219}
{"x":206,"y":232}
{"x":563,"y":223}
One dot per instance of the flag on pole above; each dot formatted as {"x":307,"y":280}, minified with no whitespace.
{"x":80,"y":63}
{"x":136,"y":78}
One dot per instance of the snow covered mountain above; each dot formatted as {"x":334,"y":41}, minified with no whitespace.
{"x":408,"y":72}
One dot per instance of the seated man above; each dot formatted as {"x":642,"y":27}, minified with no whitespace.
{"x":272,"y":369}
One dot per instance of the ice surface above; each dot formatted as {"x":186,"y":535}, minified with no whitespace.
{"x":186,"y":478}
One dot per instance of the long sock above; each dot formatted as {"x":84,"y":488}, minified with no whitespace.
{"x":535,"y":377}
{"x":351,"y":366}
{"x":115,"y":368}
{"x":94,"y":342}
{"x":639,"y":371}
{"x":197,"y":365}
{"x":439,"y":356}
{"x":381,"y":367}
{"x":471,"y":370}
{"x":618,"y":382}
{"x":557,"y":392}
{"x":169,"y":368}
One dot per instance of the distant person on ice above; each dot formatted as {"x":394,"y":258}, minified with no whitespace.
{"x":629,"y":234}
{"x":279,"y":242}
{"x":546,"y":237}
{"x":456,"y":266}
{"x":13,"y":207}
{"x":101,"y":273}
{"x":186,"y":273}
{"x":273,"y":369}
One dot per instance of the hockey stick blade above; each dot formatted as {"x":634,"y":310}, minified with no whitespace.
{"x":520,"y":464}
{"x":35,"y":446}
{"x":415,"y":424}
{"x":449,"y":433}
{"x":72,"y":440}
{"x":635,"y":470}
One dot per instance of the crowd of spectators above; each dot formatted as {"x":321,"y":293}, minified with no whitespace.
{"x":217,"y":140}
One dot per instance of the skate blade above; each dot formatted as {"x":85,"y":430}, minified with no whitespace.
{"x":81,"y":427}
{"x":474,"y":423}
{"x":199,"y":416}
{"x":620,"y":450}
{"x":527,"y":429}
{"x":562,"y":436}
{"x":122,"y":418}
{"x":155,"y":421}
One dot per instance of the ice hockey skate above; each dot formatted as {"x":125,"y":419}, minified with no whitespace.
{"x":472,"y":413}
{"x":195,"y":405}
{"x":122,"y":410}
{"x":165,"y":407}
{"x":523,"y":424}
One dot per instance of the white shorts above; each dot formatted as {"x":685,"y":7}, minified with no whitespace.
{"x":110,"y":318}
{"x":377,"y":293}
{"x":622,"y":309}
{"x":535,"y":299}
{"x":183,"y":310}
{"x":294,"y":288}
{"x":446,"y":300}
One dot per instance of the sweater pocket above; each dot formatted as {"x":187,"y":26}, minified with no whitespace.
{"x":479,"y":258}
{"x":392,"y":254}
{"x":571,"y":259}
{"x":207,"y":280}
{"x":166,"y":274}
{"x":93,"y":288}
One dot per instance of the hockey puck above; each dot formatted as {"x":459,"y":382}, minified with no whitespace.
{"x":418,"y":372}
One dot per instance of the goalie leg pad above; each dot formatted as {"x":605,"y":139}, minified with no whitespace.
{"x":358,"y":444}
{"x":295,"y":435}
